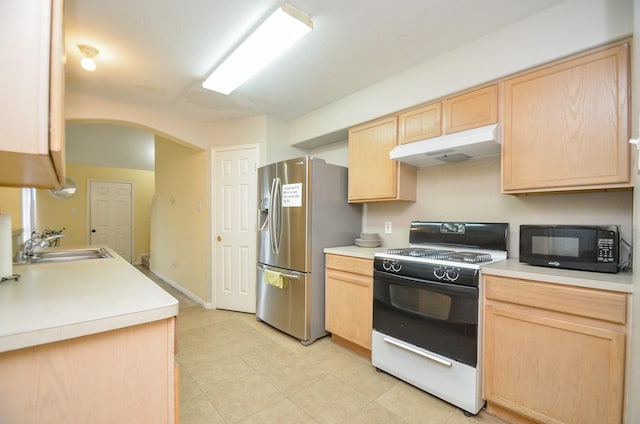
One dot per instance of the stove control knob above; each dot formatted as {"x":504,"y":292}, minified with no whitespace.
{"x":391,"y":265}
{"x":439,"y":273}
{"x":453,"y":274}
{"x":386,"y":265}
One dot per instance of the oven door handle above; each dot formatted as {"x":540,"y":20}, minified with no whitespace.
{"x":440,"y":287}
{"x":412,"y":349}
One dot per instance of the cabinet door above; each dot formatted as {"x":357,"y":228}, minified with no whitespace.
{"x":552,"y":352}
{"x":349,"y":299}
{"x":471,"y":110}
{"x":123,"y":375}
{"x":372,"y":175}
{"x":551,"y":369}
{"x":420,"y":124}
{"x":32,"y":123}
{"x":56,"y":93}
{"x":566,"y":125}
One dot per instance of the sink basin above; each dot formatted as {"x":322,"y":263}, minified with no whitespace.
{"x":67,"y":255}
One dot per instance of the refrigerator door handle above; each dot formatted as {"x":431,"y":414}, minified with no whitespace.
{"x":271,"y":217}
{"x":276,"y":216}
{"x":285,"y":275}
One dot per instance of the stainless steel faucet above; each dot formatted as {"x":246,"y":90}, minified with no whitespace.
{"x":47,"y":238}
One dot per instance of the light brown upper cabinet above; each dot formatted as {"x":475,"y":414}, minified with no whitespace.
{"x":373,"y":177}
{"x":471,"y":110}
{"x":566,"y":125}
{"x":32,"y":86}
{"x":420,"y":123}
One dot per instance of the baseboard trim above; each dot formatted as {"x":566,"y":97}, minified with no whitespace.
{"x":189,"y":294}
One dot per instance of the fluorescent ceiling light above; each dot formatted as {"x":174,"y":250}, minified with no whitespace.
{"x":280,"y":31}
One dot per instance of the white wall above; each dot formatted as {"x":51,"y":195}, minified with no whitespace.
{"x":180,"y":233}
{"x":277,"y":147}
{"x":78,"y":107}
{"x":110,"y":145}
{"x":335,"y":153}
{"x":269,"y":133}
{"x":559,"y":31}
{"x":470,"y":191}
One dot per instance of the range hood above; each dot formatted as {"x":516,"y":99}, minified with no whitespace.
{"x":456,"y":147}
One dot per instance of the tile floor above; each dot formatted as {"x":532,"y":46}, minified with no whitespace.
{"x":235,"y":369}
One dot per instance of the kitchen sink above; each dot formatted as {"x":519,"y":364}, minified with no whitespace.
{"x":66,"y":255}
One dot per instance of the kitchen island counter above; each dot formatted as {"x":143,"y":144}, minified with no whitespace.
{"x":513,"y":268}
{"x":58,"y":301}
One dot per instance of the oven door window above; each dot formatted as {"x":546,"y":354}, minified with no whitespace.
{"x":429,"y":304}
{"x":439,"y":317}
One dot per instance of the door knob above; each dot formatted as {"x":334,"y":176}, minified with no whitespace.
{"x":93,"y":231}
{"x":219,"y":238}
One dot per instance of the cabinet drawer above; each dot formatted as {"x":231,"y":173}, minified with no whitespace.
{"x":350,"y":264}
{"x":590,"y":303}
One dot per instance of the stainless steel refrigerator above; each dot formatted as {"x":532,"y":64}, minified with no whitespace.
{"x":302,"y":208}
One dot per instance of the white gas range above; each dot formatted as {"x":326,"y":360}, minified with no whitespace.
{"x":426,"y":307}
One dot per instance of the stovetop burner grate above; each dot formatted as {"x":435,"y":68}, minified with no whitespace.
{"x":466,"y":257}
{"x":443,"y":255}
{"x":411,"y":251}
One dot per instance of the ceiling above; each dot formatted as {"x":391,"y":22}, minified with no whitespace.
{"x":156,"y":53}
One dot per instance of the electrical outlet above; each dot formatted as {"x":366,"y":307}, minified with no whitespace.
{"x":387,"y":227}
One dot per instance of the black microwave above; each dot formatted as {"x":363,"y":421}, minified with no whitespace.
{"x":581,"y":247}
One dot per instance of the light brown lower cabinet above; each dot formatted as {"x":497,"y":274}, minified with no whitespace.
{"x":176,"y":394}
{"x":349,"y":301}
{"x":124,"y":375}
{"x":553,"y":353}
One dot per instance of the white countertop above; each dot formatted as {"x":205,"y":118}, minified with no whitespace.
{"x":58,"y":301}
{"x":355,"y":251}
{"x":620,"y":282}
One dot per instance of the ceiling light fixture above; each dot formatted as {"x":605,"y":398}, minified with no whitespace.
{"x":88,"y":61}
{"x":276,"y":34}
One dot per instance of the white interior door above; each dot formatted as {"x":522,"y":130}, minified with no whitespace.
{"x":110,"y":216}
{"x":234,"y":241}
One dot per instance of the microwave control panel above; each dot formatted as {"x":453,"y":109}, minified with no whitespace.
{"x":606,"y":250}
